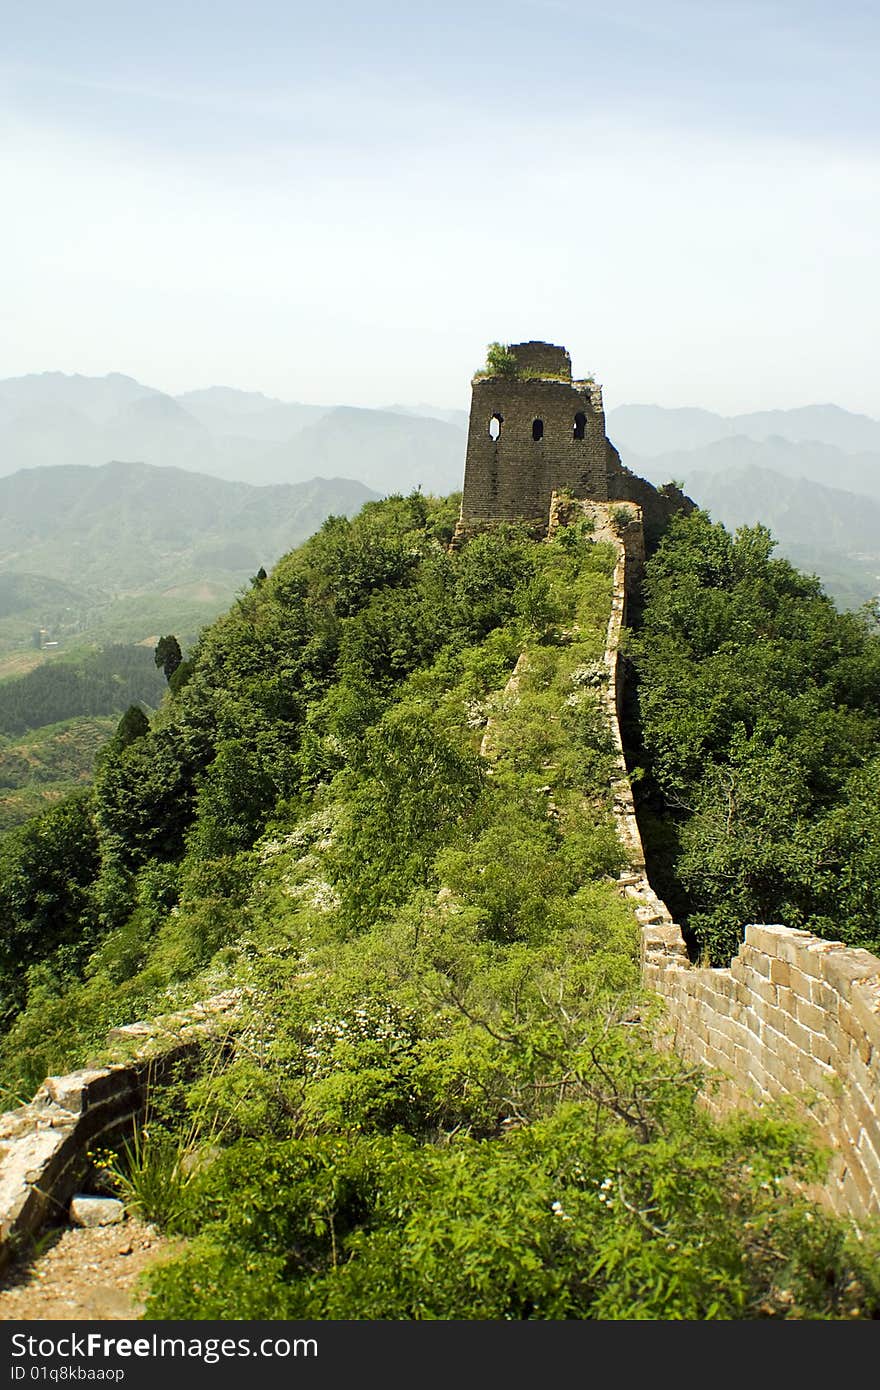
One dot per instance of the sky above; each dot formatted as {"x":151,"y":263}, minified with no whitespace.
{"x":345,"y":202}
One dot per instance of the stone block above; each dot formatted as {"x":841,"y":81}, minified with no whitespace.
{"x":870,"y":1162}
{"x":74,"y":1092}
{"x":796,"y":1033}
{"x":780,"y":972}
{"x":852,"y":1033}
{"x":845,"y":1199}
{"x":810,"y":1015}
{"x":777,"y":1068}
{"x":810,"y":954}
{"x":766,"y":938}
{"x":865,"y":1005}
{"x":786,"y":1000}
{"x":822,"y":1049}
{"x":799,"y":983}
{"x":806,"y":951}
{"x":863,"y":1110}
{"x":749,"y":1022}
{"x":842,"y":968}
{"x":864,"y":1076}
{"x":742,"y":994}
{"x":652,"y":975}
{"x":861,"y":1182}
{"x":86,"y":1210}
{"x":751,"y":958}
{"x":782,"y":1050}
{"x":823,"y":996}
{"x":766,"y":992}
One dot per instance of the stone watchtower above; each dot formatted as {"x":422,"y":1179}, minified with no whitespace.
{"x":534,"y":431}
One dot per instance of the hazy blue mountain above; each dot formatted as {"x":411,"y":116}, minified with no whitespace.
{"x":98,"y":398}
{"x":52,"y":419}
{"x":433,"y":412}
{"x":823,"y":530}
{"x":821,"y":463}
{"x":51,"y":430}
{"x":249,"y":414}
{"x":650,"y":430}
{"x":796,"y":510}
{"x":387,"y":451}
{"x":120,"y":529}
{"x":827,"y":424}
{"x":129,"y":526}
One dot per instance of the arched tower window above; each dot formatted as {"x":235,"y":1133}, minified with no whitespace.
{"x":580,"y":425}
{"x":537,"y":430}
{"x":495,"y":425}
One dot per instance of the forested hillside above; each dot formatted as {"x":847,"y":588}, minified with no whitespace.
{"x":760,"y":720}
{"x":40,"y":767}
{"x":442,"y":1099}
{"x":85,"y":683}
{"x":121,"y":552}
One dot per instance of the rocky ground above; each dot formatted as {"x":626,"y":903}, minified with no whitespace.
{"x":84,"y":1274}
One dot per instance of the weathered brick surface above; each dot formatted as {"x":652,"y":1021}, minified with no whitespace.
{"x":795,"y":1017}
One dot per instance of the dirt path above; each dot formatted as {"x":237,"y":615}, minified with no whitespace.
{"x":85,"y":1274}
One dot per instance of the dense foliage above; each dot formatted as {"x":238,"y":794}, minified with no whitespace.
{"x":290,"y":689}
{"x":760,"y":715}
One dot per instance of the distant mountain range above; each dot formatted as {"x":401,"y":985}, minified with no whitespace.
{"x":649,"y":430}
{"x":811,"y":474}
{"x":129,"y":526}
{"x":819,"y":496}
{"x":52,"y":419}
{"x":122,"y":549}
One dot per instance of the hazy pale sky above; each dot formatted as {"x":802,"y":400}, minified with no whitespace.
{"x":346,"y":201}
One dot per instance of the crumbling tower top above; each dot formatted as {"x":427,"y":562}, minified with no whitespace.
{"x":542,"y":359}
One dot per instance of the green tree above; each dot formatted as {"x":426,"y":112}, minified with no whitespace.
{"x":133,"y":725}
{"x":46,"y":868}
{"x":168,"y":655}
{"x":500,"y":361}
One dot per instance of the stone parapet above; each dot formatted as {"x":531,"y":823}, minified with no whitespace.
{"x":45,"y":1145}
{"x":794,"y":1018}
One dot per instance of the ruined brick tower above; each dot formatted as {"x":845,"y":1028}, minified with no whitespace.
{"x":535,"y":431}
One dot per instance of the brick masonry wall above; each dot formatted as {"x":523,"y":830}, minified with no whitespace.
{"x":795,"y":1017}
{"x":44,"y":1146}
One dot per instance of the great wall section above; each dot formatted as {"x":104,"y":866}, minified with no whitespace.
{"x":794,"y":1018}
